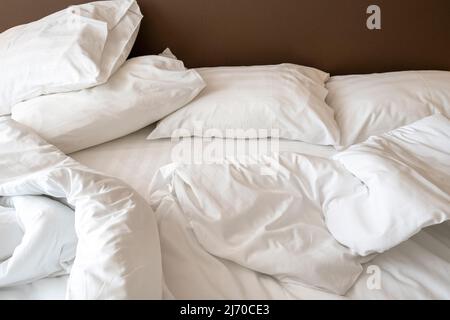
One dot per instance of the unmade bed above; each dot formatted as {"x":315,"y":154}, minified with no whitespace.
{"x":416,"y":269}
{"x":253,"y":159}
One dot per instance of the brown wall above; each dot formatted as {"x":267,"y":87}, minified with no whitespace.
{"x":329,"y":34}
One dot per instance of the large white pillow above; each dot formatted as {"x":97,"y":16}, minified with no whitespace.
{"x":142,"y":91}
{"x":239,"y":102}
{"x":72,"y":49}
{"x":367,"y":105}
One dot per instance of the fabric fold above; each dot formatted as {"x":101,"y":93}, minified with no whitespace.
{"x":118,"y":253}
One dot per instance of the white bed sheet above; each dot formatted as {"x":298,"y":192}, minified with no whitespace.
{"x":417,"y":269}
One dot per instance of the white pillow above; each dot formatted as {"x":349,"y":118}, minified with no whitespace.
{"x":144,"y":90}
{"x":72,"y":49}
{"x":367,"y":105}
{"x":248,"y":100}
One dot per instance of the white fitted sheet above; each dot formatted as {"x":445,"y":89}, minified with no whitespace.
{"x":417,"y":269}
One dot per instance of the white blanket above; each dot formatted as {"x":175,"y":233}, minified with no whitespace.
{"x":48,"y":245}
{"x":406,"y":176}
{"x":272,"y":224}
{"x":11,"y":233}
{"x":118,"y":253}
{"x":279,"y":224}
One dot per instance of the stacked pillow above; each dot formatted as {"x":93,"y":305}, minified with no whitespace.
{"x":144,"y":90}
{"x":65,"y":76}
{"x":73,"y":49}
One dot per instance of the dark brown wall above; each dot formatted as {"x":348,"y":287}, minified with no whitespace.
{"x":329,"y":34}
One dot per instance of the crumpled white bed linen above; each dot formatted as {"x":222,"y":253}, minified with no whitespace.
{"x":48,"y":245}
{"x":279,"y":224}
{"x":268,"y":223}
{"x":11,"y":233}
{"x":406,"y":177}
{"x":118,"y":252}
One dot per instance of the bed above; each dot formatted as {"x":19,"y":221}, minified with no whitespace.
{"x":418,"y":268}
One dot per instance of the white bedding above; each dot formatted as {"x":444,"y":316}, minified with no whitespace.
{"x":135,"y":160}
{"x":76,"y":48}
{"x":253,"y":219}
{"x":406,"y":186}
{"x":48,"y":245}
{"x":417,"y":268}
{"x":224,"y":209}
{"x":118,"y":250}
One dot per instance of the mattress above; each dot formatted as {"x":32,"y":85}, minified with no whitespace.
{"x":417,"y":269}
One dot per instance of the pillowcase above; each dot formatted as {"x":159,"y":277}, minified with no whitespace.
{"x":367,"y":105}
{"x":250,"y":102}
{"x":143,"y":91}
{"x":73,"y":49}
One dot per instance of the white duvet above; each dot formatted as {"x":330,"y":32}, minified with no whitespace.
{"x":315,"y":221}
{"x":300,"y":219}
{"x":406,"y":177}
{"x":60,"y":212}
{"x":47,"y":246}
